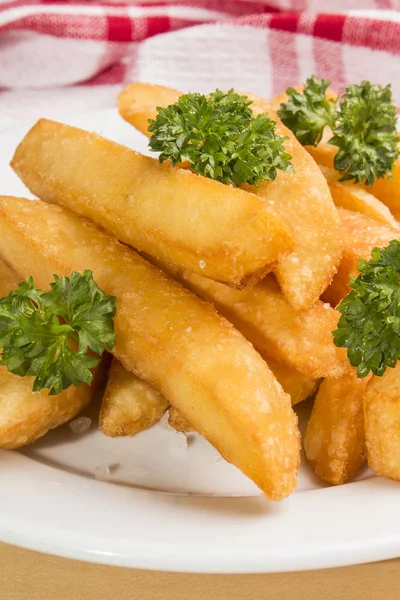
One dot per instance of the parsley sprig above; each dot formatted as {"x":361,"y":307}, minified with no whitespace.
{"x":363,"y":121}
{"x":48,"y":334}
{"x":369,"y":326}
{"x":307,"y":113}
{"x":220,"y":138}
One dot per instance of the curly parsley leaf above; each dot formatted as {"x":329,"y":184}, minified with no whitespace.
{"x":364,"y":125}
{"x":308,"y":112}
{"x":48,"y":334}
{"x":366,"y":133}
{"x":220,"y":138}
{"x":369,"y":326}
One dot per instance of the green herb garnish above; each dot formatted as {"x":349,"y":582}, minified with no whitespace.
{"x":364,"y":125}
{"x":369,"y":326}
{"x":48,"y":334}
{"x":220,"y":138}
{"x":308,"y":112}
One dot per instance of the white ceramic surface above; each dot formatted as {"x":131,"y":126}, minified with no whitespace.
{"x":174,"y":506}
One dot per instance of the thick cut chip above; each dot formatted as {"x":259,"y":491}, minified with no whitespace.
{"x":220,"y":231}
{"x":169,"y":338}
{"x":386,"y":190}
{"x":302,"y":199}
{"x":355,"y":197}
{"x":361,"y":235}
{"x":334,"y":441}
{"x":26,"y":416}
{"x":301,"y":340}
{"x":382,"y":423}
{"x":178,"y":421}
{"x":9,"y":280}
{"x":129,"y":404}
{"x":136,"y":103}
{"x":296,"y":384}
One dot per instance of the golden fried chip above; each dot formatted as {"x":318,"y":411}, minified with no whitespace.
{"x":129,"y":404}
{"x":382,"y":423}
{"x":356,"y":198}
{"x":178,"y":421}
{"x":361,"y":235}
{"x":302,"y":199}
{"x":334,"y":441}
{"x":301,"y":340}
{"x":169,"y":338}
{"x":206,"y":226}
{"x":26,"y":416}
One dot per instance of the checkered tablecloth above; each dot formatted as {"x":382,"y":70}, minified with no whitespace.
{"x":70,"y":56}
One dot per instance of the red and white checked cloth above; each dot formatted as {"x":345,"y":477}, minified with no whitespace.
{"x":73,"y":56}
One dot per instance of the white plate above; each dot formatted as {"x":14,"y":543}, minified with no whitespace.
{"x":166,"y":506}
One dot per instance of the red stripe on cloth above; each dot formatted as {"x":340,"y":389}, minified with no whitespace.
{"x":284,"y":22}
{"x":374,"y":34}
{"x":329,"y":27}
{"x":229,"y":7}
{"x":284,"y":60}
{"x":157,"y":25}
{"x":82,"y":27}
{"x":119,"y":28}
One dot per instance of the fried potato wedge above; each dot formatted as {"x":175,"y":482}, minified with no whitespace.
{"x":136,"y":103}
{"x":355,"y":197}
{"x":178,"y":421}
{"x":382,"y":423}
{"x":26,"y":416}
{"x":9,"y":280}
{"x":220,"y":231}
{"x":334,"y":441}
{"x":296,"y":384}
{"x":129,"y":405}
{"x":301,"y":199}
{"x":169,"y":338}
{"x":300,"y":340}
{"x":386,"y":190}
{"x":304,"y":200}
{"x":361,"y":235}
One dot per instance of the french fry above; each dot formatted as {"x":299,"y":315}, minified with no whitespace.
{"x":361,"y":235}
{"x":355,"y":197}
{"x":382,"y":418}
{"x":220,"y":231}
{"x":178,"y":421}
{"x":9,"y":280}
{"x":334,"y":441}
{"x":296,"y":384}
{"x":169,"y":338}
{"x":136,"y":103}
{"x":301,"y":198}
{"x":129,"y":405}
{"x":26,"y":416}
{"x":300,"y":340}
{"x":386,"y":190}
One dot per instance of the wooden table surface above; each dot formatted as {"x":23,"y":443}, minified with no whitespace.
{"x":26,"y":575}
